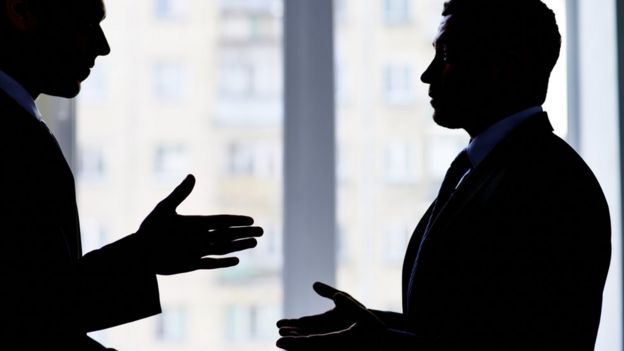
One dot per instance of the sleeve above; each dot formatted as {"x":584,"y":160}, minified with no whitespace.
{"x":396,"y":335}
{"x":115,"y":288}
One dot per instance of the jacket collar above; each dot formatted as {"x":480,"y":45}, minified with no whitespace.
{"x":486,"y":170}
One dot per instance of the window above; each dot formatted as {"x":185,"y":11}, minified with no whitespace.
{"x":240,"y":108}
{"x":208,"y":101}
{"x":267,"y":255}
{"x":258,"y":159}
{"x":95,"y":88}
{"x":170,"y":162}
{"x":395,"y":239}
{"x":442,"y":150}
{"x":237,"y":80}
{"x":171,"y":324}
{"x":402,"y":162}
{"x":91,"y":163}
{"x":170,"y":81}
{"x":397,"y":11}
{"x":171,"y":9}
{"x":398,"y":85}
{"x":251,"y":322}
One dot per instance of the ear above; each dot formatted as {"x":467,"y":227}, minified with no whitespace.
{"x":20,"y":15}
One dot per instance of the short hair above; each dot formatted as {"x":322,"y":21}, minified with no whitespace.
{"x":499,"y":26}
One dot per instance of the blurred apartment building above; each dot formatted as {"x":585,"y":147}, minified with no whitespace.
{"x":195,"y":86}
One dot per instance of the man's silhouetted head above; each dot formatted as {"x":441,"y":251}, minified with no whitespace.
{"x":493,"y":58}
{"x":49,"y":46}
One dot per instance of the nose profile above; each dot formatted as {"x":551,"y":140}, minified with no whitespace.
{"x":426,"y":75}
{"x":103,"y":48}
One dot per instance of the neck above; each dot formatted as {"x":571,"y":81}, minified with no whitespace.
{"x":22,"y":74}
{"x":484,"y":120}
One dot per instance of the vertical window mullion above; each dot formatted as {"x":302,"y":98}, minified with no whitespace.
{"x":309,"y":154}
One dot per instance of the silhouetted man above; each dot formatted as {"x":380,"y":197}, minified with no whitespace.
{"x":514,"y":252}
{"x":51,"y":295}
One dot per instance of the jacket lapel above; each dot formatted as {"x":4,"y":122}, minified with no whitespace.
{"x":487,"y":171}
{"x":57,"y":189}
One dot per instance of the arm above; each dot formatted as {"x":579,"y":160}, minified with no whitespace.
{"x":118,"y":282}
{"x":114,"y":287}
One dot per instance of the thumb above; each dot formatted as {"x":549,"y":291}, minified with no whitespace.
{"x":325,"y":290}
{"x":353,"y":308}
{"x":179,"y":194}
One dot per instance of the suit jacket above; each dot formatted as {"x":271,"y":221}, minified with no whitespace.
{"x":52,"y":295}
{"x":516,"y":259}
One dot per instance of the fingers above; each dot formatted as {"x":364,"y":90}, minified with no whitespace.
{"x":285,"y":323}
{"x":311,"y":324}
{"x":179,"y":194}
{"x":230,"y":234}
{"x":330,"y":292}
{"x":290,"y":331}
{"x":215,"y":222}
{"x":215,"y":263}
{"x":227,"y":248}
{"x":329,"y":341}
{"x":325,"y":290}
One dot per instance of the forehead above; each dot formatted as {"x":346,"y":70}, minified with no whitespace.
{"x":444,"y":30}
{"x":84,"y":9}
{"x":91,"y":8}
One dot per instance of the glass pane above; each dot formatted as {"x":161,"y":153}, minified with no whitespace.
{"x":384,"y":124}
{"x":191,"y":86}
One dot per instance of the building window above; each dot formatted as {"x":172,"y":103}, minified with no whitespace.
{"x":245,"y":323}
{"x":236,"y":80}
{"x":402,"y":162}
{"x":95,"y":88}
{"x":91,"y":163}
{"x":396,"y":11}
{"x":257,"y":159}
{"x":441,"y":151}
{"x":171,"y":162}
{"x":171,"y":324}
{"x":249,"y":74}
{"x":268,"y":253}
{"x":395,"y":239}
{"x":170,"y":81}
{"x":171,"y":9}
{"x":398,"y":85}
{"x":342,"y":244}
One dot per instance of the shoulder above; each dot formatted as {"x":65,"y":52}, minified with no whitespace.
{"x":536,"y":167}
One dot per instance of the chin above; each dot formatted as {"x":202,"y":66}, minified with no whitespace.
{"x":447,"y":119}
{"x":68,"y":90}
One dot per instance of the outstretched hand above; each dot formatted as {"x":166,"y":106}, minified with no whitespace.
{"x":177,"y":244}
{"x":349,"y":325}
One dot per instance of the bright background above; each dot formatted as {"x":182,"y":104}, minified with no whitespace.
{"x":332,"y":151}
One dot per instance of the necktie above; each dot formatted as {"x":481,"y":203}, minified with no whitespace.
{"x":457,"y":171}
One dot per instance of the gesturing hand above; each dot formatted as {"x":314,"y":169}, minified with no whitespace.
{"x":348,"y":326}
{"x":177,"y":244}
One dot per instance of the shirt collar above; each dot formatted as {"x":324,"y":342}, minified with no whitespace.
{"x":484,"y":143}
{"x":18,"y":93}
